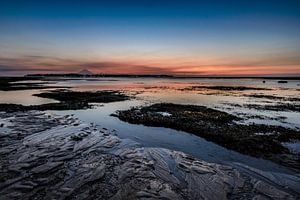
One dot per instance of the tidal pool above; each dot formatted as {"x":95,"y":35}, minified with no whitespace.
{"x":155,"y":90}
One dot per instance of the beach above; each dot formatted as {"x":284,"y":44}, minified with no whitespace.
{"x":116,"y":138}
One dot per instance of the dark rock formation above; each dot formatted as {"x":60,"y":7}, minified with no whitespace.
{"x":40,"y":159}
{"x":221,"y":128}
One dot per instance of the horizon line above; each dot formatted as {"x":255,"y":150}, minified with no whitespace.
{"x":98,"y":75}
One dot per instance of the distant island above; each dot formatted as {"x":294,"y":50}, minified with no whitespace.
{"x":85,"y":72}
{"x":88,"y":74}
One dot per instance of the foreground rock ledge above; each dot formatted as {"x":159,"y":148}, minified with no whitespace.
{"x":43,"y":156}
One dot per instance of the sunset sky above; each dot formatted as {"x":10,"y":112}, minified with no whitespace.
{"x":231,"y":38}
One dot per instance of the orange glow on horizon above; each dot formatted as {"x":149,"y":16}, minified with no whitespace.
{"x":189,"y":66}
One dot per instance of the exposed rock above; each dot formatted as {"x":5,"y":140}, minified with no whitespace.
{"x":68,"y":100}
{"x":29,"y":83}
{"x":41,"y":160}
{"x":220,"y":127}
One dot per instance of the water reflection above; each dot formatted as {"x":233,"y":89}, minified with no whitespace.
{"x":153,"y":90}
{"x":24,"y":97}
{"x":167,"y":138}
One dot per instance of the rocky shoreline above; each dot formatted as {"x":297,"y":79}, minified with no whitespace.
{"x":45,"y":156}
{"x":220,"y":127}
{"x":26,"y":83}
{"x":68,"y":100}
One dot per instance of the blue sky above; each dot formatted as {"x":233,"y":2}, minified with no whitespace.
{"x":175,"y":37}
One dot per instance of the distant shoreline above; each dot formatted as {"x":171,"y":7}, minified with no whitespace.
{"x":73,"y":75}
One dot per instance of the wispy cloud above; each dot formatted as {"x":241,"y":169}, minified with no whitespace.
{"x":52,"y":64}
{"x":280,"y":64}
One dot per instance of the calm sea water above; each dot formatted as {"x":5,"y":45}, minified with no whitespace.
{"x":154,"y":90}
